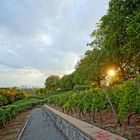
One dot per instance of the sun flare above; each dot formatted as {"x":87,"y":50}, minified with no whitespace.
{"x":111,"y":72}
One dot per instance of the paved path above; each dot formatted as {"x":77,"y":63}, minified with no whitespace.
{"x":40,"y":127}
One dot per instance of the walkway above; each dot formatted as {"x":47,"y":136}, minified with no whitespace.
{"x":40,"y":127}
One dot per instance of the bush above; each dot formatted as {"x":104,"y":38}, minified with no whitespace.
{"x":12,"y":94}
{"x":130,"y":100}
{"x":81,"y":87}
{"x":3,"y":100}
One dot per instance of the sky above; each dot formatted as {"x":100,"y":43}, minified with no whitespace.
{"x":39,"y":38}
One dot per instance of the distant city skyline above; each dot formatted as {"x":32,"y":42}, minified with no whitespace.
{"x":39,"y":38}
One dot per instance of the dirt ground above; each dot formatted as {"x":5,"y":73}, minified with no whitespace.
{"x":131,"y":132}
{"x":13,"y":128}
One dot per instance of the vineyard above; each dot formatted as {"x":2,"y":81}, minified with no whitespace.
{"x":104,"y":87}
{"x":11,"y":109}
{"x":125,"y":99}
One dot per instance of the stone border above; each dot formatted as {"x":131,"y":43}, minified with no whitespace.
{"x":76,"y":129}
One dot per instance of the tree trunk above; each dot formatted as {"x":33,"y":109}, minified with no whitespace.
{"x":93,"y":116}
{"x":99,"y":82}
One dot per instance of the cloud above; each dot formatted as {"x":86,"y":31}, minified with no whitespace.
{"x":43,"y":37}
{"x":19,"y":77}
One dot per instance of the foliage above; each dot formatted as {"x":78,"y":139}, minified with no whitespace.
{"x":9,"y":95}
{"x":8,"y":112}
{"x":124,"y":97}
{"x":39,"y":91}
{"x":118,"y":35}
{"x":115,"y":45}
{"x":81,"y":87}
{"x":130,"y":101}
{"x":3,"y":100}
{"x":51,"y":82}
{"x":66,"y":82}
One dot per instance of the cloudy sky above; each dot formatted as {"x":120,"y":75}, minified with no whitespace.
{"x":43,"y":37}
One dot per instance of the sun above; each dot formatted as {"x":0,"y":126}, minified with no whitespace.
{"x":111,"y":72}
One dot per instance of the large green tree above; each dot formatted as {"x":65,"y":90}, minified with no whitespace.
{"x":66,"y":82}
{"x":90,"y":69}
{"x":51,"y":82}
{"x":116,"y":44}
{"x":118,"y":33}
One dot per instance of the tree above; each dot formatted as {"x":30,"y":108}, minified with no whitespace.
{"x":115,"y":45}
{"x":51,"y":82}
{"x":66,"y":82}
{"x":118,"y":34}
{"x":90,"y":69}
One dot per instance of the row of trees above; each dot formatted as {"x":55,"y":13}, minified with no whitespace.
{"x":116,"y":44}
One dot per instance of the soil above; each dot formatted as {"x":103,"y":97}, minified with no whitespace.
{"x":131,"y":132}
{"x":12,"y":129}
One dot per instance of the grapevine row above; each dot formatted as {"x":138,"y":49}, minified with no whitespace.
{"x":125,"y":98}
